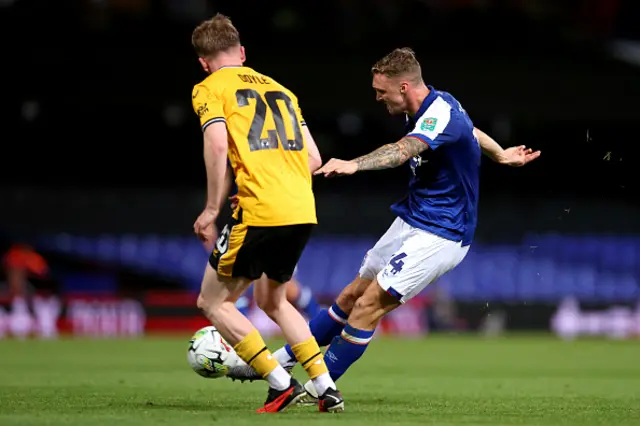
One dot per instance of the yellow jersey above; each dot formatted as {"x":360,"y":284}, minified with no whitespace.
{"x":267,"y":149}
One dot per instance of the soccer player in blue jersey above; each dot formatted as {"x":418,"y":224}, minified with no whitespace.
{"x":435,"y":222}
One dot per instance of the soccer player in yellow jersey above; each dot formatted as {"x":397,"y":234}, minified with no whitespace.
{"x":257,"y":123}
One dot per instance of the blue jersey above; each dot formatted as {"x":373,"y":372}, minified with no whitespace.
{"x":443,"y":190}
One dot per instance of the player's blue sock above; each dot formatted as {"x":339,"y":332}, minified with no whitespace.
{"x":326,"y":325}
{"x":346,"y":349}
{"x":307,"y":303}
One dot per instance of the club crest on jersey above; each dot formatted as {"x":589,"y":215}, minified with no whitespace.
{"x":429,"y":124}
{"x":414,"y":163}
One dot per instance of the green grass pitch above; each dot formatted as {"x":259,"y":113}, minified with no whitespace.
{"x":515,"y":380}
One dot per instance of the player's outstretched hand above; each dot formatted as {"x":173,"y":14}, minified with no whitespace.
{"x":335,"y":167}
{"x":518,"y":156}
{"x":204,"y":227}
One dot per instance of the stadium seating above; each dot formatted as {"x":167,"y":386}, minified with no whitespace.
{"x":542,"y":268}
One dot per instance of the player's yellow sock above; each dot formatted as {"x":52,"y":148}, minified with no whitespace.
{"x":309,"y":355}
{"x":254,"y":352}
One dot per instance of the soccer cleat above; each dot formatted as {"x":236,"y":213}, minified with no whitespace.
{"x":331,"y":402}
{"x":311,"y":398}
{"x":280,"y":400}
{"x":244,"y":372}
{"x":289,"y":365}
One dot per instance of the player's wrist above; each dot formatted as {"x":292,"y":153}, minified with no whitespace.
{"x":500,"y":157}
{"x":212,"y":208}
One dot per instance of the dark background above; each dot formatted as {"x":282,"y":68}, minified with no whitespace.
{"x":99,"y":136}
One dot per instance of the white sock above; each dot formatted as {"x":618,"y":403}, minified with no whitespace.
{"x":279,"y":379}
{"x":283,"y":358}
{"x":322,"y":383}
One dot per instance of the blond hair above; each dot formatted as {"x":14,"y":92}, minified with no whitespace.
{"x":400,"y":62}
{"x":214,"y":35}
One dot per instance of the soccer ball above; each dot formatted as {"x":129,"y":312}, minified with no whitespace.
{"x":209,"y":355}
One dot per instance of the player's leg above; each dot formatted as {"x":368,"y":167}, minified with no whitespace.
{"x":292,"y":290}
{"x":225,"y":219}
{"x":328,"y":323}
{"x":217,"y":302}
{"x":217,"y":299}
{"x":273,"y":301}
{"x":422,"y":258}
{"x":230,"y":270}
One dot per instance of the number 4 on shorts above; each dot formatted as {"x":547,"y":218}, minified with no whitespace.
{"x":396,"y":263}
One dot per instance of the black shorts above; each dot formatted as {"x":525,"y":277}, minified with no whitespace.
{"x":249,"y":251}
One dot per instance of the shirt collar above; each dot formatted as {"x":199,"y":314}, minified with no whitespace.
{"x":426,"y":103}
{"x":229,"y":66}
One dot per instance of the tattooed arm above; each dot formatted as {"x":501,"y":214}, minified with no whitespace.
{"x":395,"y":154}
{"x":391,"y":155}
{"x":385,"y":157}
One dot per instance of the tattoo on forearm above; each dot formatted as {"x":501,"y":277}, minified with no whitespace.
{"x":391,"y":155}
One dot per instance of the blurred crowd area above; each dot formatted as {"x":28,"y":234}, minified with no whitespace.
{"x":362,"y":20}
{"x":131,"y":285}
{"x":104,"y":176}
{"x":115,"y":77}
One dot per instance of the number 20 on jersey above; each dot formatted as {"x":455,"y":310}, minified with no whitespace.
{"x":256,"y":142}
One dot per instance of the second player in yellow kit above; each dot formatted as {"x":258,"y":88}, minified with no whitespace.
{"x":269,"y":158}
{"x":267,"y":150}
{"x":256,"y":123}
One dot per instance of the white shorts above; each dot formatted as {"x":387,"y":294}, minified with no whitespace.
{"x":406,"y":259}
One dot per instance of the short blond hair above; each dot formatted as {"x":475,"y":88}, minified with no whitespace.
{"x":400,"y":62}
{"x":214,"y":35}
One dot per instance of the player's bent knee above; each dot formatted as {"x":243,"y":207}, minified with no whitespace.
{"x":208,"y":309}
{"x":271,"y":300}
{"x":365,"y":312}
{"x":207,"y":304}
{"x":347,"y":298}
{"x":366,"y":305}
{"x":202,"y":303}
{"x":351,"y":293}
{"x":292,"y":290}
{"x":371,"y":307}
{"x":266,"y":304}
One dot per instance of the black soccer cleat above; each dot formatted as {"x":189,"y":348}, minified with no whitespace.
{"x":244,"y":372}
{"x":331,"y":402}
{"x":280,"y":400}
